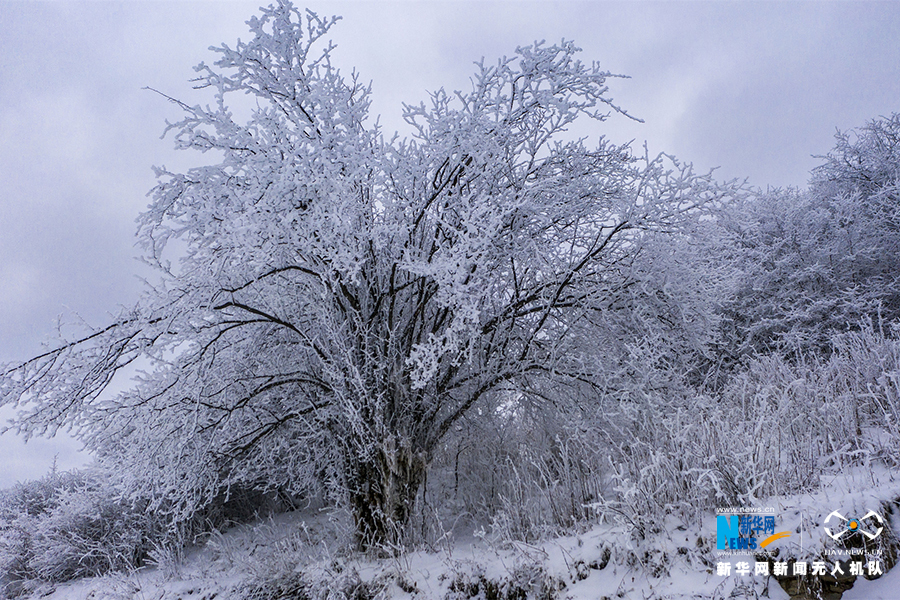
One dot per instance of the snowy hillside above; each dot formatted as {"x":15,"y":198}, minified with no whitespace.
{"x":303,"y":554}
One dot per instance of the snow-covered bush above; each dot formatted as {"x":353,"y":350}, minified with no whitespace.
{"x":335,"y":581}
{"x":528,"y":581}
{"x":661,"y":451}
{"x":69,"y":525}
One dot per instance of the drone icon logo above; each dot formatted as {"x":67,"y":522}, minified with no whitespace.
{"x":854,"y":525}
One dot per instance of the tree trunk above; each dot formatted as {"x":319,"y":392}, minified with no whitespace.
{"x":382,"y":495}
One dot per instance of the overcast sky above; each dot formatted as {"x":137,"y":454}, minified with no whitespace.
{"x":755,"y":89}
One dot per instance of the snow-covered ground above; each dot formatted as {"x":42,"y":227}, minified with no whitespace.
{"x":571,"y":565}
{"x":605,"y":561}
{"x":432,"y":574}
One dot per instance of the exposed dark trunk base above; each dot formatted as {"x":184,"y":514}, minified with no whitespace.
{"x":382,"y":498}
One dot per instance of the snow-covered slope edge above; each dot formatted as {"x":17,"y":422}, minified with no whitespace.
{"x":296,"y":556}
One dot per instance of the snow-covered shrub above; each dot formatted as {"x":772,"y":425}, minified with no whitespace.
{"x":864,"y":374}
{"x":550,"y":484}
{"x":530,"y":472}
{"x":812,"y":413}
{"x":775,"y":429}
{"x":336,"y":582}
{"x":520,"y":585}
{"x":655,"y":447}
{"x":465,"y":478}
{"x":69,"y":525}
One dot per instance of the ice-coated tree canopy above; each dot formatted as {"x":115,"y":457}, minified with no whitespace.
{"x":340,"y":301}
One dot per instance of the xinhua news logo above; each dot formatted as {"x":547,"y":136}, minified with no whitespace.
{"x":746,"y":531}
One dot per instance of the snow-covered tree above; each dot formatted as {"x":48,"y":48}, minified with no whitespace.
{"x":824,"y":259}
{"x":340,"y":301}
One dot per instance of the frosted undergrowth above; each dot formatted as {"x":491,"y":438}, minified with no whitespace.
{"x":304,"y":555}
